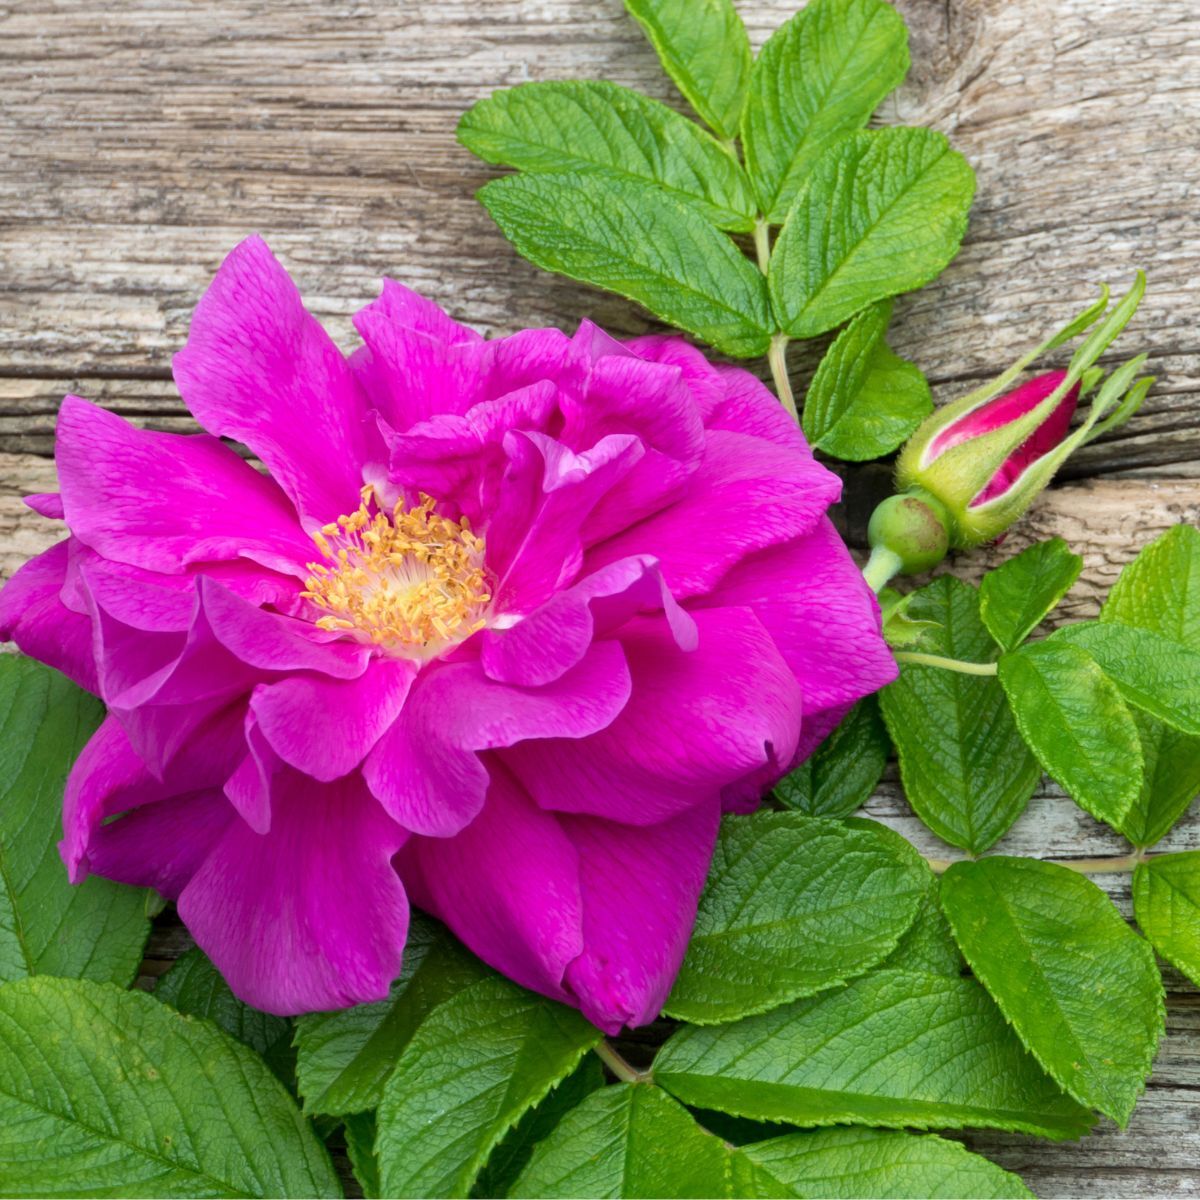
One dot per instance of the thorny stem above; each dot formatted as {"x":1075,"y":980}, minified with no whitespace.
{"x":947,"y":664}
{"x":612,"y":1059}
{"x":881,"y":567}
{"x":777,"y":357}
{"x":1085,"y":866}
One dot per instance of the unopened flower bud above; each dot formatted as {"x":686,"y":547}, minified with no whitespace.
{"x":913,"y":528}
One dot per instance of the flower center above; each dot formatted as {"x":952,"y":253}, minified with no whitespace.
{"x":409,"y":580}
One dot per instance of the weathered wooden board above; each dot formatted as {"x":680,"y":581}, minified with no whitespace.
{"x":139,"y":141}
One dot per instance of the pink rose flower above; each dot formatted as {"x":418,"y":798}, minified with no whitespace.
{"x":502,"y":629}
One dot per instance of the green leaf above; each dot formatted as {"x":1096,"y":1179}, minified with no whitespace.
{"x":195,"y":987}
{"x":508,"y":1159}
{"x":858,"y":1164}
{"x":359,"y":1129}
{"x":864,"y":400}
{"x":704,"y":48}
{"x":1073,"y":718}
{"x":1166,"y":902}
{"x":794,"y":905}
{"x":476,"y":1064}
{"x":893,"y":1048}
{"x":881,"y":213}
{"x":47,"y":927}
{"x":1078,"y":985}
{"x":627,"y":1140}
{"x":899,"y":628}
{"x":929,"y":945}
{"x":114,"y":1093}
{"x":1015,"y":597}
{"x":818,"y":78}
{"x":590,"y":125}
{"x":1160,"y":591}
{"x":346,"y":1056}
{"x":964,"y":768}
{"x":1151,"y":672}
{"x":839,"y":777}
{"x":635,"y":240}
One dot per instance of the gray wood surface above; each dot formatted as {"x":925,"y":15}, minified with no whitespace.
{"x":139,"y":141}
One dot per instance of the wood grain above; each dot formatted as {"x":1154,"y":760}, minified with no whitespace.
{"x":138,"y":142}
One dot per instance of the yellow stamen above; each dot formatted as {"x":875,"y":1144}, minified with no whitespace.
{"x":409,"y":580}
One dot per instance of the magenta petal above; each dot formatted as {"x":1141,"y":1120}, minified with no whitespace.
{"x":46,"y":504}
{"x":695,"y":723}
{"x":640,"y":891}
{"x":272,"y":642}
{"x":258,"y":368}
{"x":33,"y":615}
{"x":749,"y":407}
{"x":163,"y":500}
{"x":426,"y":769}
{"x":746,"y":495}
{"x":326,"y":727}
{"x":507,"y":884}
{"x":812,"y":599}
{"x":542,"y":646}
{"x":311,"y":915}
{"x":248,"y":789}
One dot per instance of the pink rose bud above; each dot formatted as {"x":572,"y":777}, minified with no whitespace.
{"x":976,"y":464}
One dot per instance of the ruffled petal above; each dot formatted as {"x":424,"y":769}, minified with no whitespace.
{"x":258,"y":368}
{"x":746,"y":495}
{"x":695,"y":723}
{"x":326,"y":727}
{"x":544,"y":645}
{"x":426,"y":769}
{"x":311,"y":915}
{"x":33,"y":615}
{"x":640,"y":891}
{"x":507,"y":884}
{"x":812,"y":599}
{"x":164,"y":500}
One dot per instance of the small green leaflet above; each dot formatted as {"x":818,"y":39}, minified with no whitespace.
{"x":1160,"y":591}
{"x":1015,"y":598}
{"x":900,"y":629}
{"x":1166,"y":903}
{"x":632,"y":1140}
{"x":881,"y":213}
{"x":627,"y":1140}
{"x":345,"y":1056}
{"x":47,"y":927}
{"x":590,"y":125}
{"x":194,"y":986}
{"x":115,"y":1091}
{"x":819,"y":77}
{"x":839,"y":777}
{"x":635,"y":240}
{"x":794,"y":905}
{"x":864,"y":400}
{"x":965,"y":770}
{"x":894,"y":1048}
{"x":473,"y":1067}
{"x":704,"y":48}
{"x":359,"y":1129}
{"x":508,"y":1159}
{"x":1073,"y":718}
{"x":858,"y":1164}
{"x":1078,"y":985}
{"x":1152,"y":672}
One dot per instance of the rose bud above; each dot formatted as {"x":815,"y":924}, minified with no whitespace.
{"x":976,"y":464}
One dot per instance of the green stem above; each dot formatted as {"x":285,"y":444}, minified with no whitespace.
{"x":777,"y":357}
{"x":624,"y":1071}
{"x":947,"y":664}
{"x":762,"y":244}
{"x":881,"y":567}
